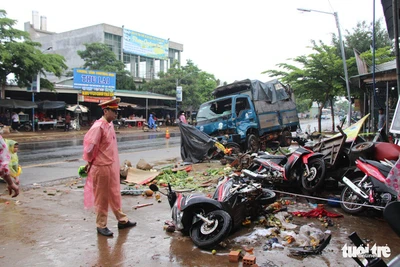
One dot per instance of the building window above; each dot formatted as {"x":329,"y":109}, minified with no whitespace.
{"x":114,"y":42}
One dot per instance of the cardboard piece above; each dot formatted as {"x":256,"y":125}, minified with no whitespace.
{"x":140,"y":176}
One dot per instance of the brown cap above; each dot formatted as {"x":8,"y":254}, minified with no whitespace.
{"x":111,"y":104}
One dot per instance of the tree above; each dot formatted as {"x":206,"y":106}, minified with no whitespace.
{"x":197,"y":85}
{"x":99,"y":56}
{"x":360,"y":38}
{"x":317,"y":79}
{"x":303,"y":105}
{"x":23,"y":58}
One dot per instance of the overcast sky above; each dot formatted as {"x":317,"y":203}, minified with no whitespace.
{"x":231,"y":39}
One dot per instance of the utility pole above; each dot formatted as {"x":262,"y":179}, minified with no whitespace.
{"x":346,"y":76}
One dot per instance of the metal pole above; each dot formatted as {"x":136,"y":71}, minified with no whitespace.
{"x":176,"y":100}
{"x":387,"y":109}
{"x":346,"y":76}
{"x":396,"y":42}
{"x":33,"y":110}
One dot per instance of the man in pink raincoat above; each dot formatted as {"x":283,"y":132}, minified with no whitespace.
{"x":102,"y":188}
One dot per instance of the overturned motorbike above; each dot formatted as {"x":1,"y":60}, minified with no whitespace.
{"x":302,"y":168}
{"x":209,"y":221}
{"x":371,"y":188}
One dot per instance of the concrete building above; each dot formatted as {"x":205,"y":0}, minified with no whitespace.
{"x":141,"y":64}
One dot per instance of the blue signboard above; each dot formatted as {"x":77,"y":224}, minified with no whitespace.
{"x":94,"y":80}
{"x":145,"y":45}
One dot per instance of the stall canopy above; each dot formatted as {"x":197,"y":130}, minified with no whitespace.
{"x":78,"y":109}
{"x":47,"y":104}
{"x":14,"y":103}
{"x":126,"y":105}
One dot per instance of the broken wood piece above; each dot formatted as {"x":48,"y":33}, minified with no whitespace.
{"x":142,"y":205}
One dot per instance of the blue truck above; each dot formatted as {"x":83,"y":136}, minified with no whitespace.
{"x":250,"y":113}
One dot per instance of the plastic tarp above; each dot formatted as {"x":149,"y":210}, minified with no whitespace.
{"x":14,"y":103}
{"x":194,"y":143}
{"x":272,"y":91}
{"x":47,"y":104}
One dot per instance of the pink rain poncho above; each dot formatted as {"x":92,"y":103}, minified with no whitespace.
{"x":4,"y":158}
{"x":102,"y":188}
{"x":393,"y":179}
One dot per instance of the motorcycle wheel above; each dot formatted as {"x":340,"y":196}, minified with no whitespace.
{"x":207,"y":236}
{"x":26,"y":128}
{"x":348,"y":195}
{"x":158,"y":129}
{"x":145,"y":129}
{"x":252,"y":143}
{"x":268,"y":197}
{"x":315,"y":179}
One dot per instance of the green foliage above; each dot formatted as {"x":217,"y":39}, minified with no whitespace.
{"x":23,"y":57}
{"x":360,"y":38}
{"x":197,"y":85}
{"x":99,"y":56}
{"x":303,"y":105}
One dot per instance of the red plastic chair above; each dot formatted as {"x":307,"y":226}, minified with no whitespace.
{"x":139,"y":124}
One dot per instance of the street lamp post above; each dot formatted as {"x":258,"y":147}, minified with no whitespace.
{"x":38,"y":90}
{"x":346,"y":76}
{"x":180,"y":88}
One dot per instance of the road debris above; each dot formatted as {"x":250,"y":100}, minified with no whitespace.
{"x":142,"y":205}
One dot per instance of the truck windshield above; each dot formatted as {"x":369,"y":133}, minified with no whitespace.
{"x":213,"y":110}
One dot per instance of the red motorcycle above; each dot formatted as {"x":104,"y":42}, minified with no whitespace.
{"x":371,"y":189}
{"x":302,"y":168}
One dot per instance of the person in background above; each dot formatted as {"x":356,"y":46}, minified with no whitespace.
{"x":14,"y":167}
{"x":67,"y":122}
{"x":381,"y":118}
{"x":3,"y":119}
{"x":14,"y":121}
{"x":102,"y":188}
{"x":168,"y":120}
{"x":151,"y":122}
{"x":182,"y":117}
{"x":4,"y":169}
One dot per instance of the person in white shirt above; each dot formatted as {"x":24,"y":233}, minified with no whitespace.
{"x":14,"y":121}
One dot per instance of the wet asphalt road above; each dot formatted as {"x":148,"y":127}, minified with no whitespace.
{"x":61,"y":159}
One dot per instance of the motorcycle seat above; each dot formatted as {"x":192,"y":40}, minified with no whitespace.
{"x":272,"y":157}
{"x":384,"y":169}
{"x":386,"y":151}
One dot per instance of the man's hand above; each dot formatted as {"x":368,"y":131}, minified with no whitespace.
{"x":87,"y":167}
{"x":16,"y":180}
{"x":13,"y":187}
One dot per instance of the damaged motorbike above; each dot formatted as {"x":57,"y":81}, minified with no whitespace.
{"x":302,"y":168}
{"x":209,"y":221}
{"x":371,"y":188}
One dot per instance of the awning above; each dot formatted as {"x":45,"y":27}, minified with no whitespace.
{"x":126,"y":105}
{"x":78,"y":109}
{"x":14,"y":103}
{"x":47,"y":104}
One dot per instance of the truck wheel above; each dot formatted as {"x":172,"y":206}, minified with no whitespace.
{"x":286,"y":139}
{"x":234,"y":146}
{"x":252,"y":143}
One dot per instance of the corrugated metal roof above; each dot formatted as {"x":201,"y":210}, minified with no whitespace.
{"x":388,"y":12}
